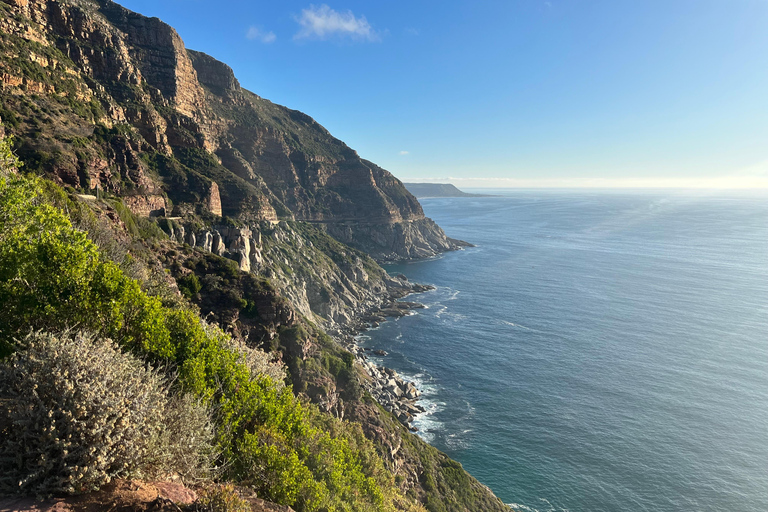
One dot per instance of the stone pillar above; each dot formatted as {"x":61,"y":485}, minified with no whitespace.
{"x":213,"y":201}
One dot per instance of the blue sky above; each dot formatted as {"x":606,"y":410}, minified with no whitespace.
{"x":511,"y":93}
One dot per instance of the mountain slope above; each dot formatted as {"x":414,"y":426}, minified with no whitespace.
{"x":162,"y":144}
{"x":159,"y":122}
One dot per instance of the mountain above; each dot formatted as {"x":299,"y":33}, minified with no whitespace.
{"x":438,"y":190}
{"x":121,"y":105}
{"x":214,"y":202}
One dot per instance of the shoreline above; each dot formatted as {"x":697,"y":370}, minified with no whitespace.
{"x":394,"y":393}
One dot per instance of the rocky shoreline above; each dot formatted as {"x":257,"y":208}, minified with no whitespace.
{"x":390,"y":390}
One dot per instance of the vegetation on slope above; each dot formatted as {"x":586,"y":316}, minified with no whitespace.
{"x":53,"y":278}
{"x":84,"y":412}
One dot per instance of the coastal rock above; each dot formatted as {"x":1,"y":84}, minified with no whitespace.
{"x":402,"y":240}
{"x":391,"y":391}
{"x":411,"y":392}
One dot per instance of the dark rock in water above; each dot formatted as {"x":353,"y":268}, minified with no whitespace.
{"x":393,"y":312}
{"x":380,"y":352}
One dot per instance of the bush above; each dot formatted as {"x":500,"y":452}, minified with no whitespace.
{"x":78,"y":412}
{"x":52,"y":277}
{"x":259,"y":363}
{"x":221,"y":498}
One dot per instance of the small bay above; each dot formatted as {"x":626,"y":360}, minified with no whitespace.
{"x":597,"y":351}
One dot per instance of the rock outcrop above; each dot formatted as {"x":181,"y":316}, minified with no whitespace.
{"x":410,"y":239}
{"x":241,"y":244}
{"x":213,"y":200}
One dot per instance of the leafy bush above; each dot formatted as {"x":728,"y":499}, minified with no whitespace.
{"x":259,"y":363}
{"x":52,"y":277}
{"x":189,"y":285}
{"x":8,"y":161}
{"x":221,"y":498}
{"x":78,"y":412}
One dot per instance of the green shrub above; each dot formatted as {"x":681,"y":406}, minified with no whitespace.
{"x":78,"y":412}
{"x":8,"y":161}
{"x":221,"y":498}
{"x":52,"y":277}
{"x":189,"y":285}
{"x":259,"y":363}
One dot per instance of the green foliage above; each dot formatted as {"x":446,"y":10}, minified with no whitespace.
{"x":104,"y":135}
{"x":78,"y":412}
{"x":341,"y":254}
{"x":224,"y":291}
{"x":137,"y":227}
{"x":53,"y":277}
{"x":8,"y":161}
{"x":221,"y":498}
{"x":9,"y":117}
{"x":149,"y":229}
{"x":189,"y":285}
{"x":126,"y":215}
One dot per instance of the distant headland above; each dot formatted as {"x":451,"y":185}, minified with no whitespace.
{"x":421,"y":190}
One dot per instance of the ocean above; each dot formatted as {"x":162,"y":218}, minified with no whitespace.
{"x":597,"y":350}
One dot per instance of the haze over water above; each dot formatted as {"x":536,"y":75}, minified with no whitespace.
{"x":598,"y":351}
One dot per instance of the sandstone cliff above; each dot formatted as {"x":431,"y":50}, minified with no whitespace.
{"x":135,"y":113}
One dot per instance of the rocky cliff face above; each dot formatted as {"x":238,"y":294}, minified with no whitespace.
{"x":108,"y":101}
{"x":136,"y":113}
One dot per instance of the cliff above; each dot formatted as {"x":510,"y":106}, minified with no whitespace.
{"x":214,"y":198}
{"x":130,"y":110}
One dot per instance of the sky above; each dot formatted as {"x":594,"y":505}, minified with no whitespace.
{"x":515,"y":93}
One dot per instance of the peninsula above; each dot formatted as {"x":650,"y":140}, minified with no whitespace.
{"x":423,"y":190}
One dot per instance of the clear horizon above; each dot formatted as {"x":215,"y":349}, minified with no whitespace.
{"x":535,"y":92}
{"x":724,"y":183}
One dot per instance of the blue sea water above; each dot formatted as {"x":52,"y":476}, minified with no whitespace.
{"x":597,"y":351}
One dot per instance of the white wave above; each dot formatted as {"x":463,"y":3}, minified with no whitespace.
{"x":440,"y":311}
{"x":470,"y":409}
{"x":465,"y":431}
{"x":454,"y":294}
{"x":520,"y":507}
{"x":454,"y":317}
{"x":427,"y":424}
{"x":519,"y":326}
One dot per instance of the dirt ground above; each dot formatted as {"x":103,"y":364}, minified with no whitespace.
{"x":127,"y":496}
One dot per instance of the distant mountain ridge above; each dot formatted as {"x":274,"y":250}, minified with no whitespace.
{"x":438,"y":190}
